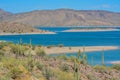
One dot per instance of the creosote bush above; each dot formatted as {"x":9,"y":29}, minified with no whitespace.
{"x":116,"y":66}
{"x":40,"y":52}
{"x":2,"y":44}
{"x":48,"y":73}
{"x":61,"y":45}
{"x":101,"y":69}
{"x":65,"y":67}
{"x":39,"y":65}
{"x":2,"y":53}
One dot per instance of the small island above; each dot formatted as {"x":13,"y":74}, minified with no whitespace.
{"x":90,"y":29}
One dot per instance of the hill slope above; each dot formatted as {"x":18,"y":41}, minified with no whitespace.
{"x":66,"y":17}
{"x":4,"y":13}
{"x":6,"y":27}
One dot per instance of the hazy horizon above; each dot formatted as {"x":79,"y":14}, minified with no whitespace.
{"x":31,"y":5}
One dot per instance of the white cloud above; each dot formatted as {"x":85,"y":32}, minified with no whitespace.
{"x":106,"y":6}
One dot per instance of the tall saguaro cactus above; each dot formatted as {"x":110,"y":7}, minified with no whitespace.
{"x":77,"y":66}
{"x":92,"y":61}
{"x":84,"y":57}
{"x":103,"y":58}
{"x":20,"y":44}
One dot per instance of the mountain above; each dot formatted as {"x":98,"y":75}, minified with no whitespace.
{"x":66,"y":17}
{"x":4,"y":13}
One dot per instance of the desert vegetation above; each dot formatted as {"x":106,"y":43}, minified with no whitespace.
{"x":27,"y":62}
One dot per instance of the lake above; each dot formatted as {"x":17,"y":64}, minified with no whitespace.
{"x":109,"y":38}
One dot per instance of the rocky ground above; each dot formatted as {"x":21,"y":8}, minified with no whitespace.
{"x":27,"y":62}
{"x":15,"y":27}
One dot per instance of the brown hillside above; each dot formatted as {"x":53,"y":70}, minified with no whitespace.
{"x":66,"y":17}
{"x":16,"y":27}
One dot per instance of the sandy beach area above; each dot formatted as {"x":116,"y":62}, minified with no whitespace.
{"x":115,"y":62}
{"x":89,"y":30}
{"x":61,"y":50}
{"x":2,"y":34}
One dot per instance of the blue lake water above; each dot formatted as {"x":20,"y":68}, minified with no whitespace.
{"x":110,"y":38}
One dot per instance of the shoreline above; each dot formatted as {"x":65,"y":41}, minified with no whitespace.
{"x":89,"y":30}
{"x":115,"y":62}
{"x":62,"y":50}
{"x":5,"y":34}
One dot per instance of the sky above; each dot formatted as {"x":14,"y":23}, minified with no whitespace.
{"x":18,"y":6}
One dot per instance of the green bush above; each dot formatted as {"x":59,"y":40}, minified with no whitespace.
{"x":62,"y":75}
{"x":61,"y":45}
{"x":39,"y":65}
{"x":1,"y":53}
{"x":65,"y":67}
{"x":102,"y":69}
{"x":18,"y":49}
{"x":48,"y":73}
{"x":117,"y":66}
{"x":63,"y":56}
{"x":50,"y":46}
{"x":91,"y":77}
{"x":2,"y":44}
{"x":15,"y":72}
{"x":31,"y":64}
{"x":40,"y":52}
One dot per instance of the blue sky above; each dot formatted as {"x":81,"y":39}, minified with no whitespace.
{"x":17,"y":6}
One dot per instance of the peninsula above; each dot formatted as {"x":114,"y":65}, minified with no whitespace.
{"x":15,"y":28}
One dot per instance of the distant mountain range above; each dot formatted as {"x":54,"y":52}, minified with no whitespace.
{"x":63,"y":17}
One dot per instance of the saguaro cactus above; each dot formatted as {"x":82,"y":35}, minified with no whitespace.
{"x":92,"y":61}
{"x":77,"y":67}
{"x":103,"y":58}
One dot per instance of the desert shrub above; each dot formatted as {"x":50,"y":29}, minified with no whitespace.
{"x":72,"y":58}
{"x":6,"y":77}
{"x":117,"y":66}
{"x":91,"y":77}
{"x":15,"y":72}
{"x":65,"y":76}
{"x":30,"y":64}
{"x":39,"y":65}
{"x":46,"y":57}
{"x":39,"y":45}
{"x":65,"y":67}
{"x":2,"y":44}
{"x":84,"y":60}
{"x":1,"y":53}
{"x":9,"y":62}
{"x":18,"y":49}
{"x":60,"y":45}
{"x":102,"y":69}
{"x":64,"y":57}
{"x":113,"y":78}
{"x":20,"y":73}
{"x":14,"y":48}
{"x":70,"y":48}
{"x":62,"y":75}
{"x":83,"y":57}
{"x":48,"y":73}
{"x":40,"y":52}
{"x":50,"y":46}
